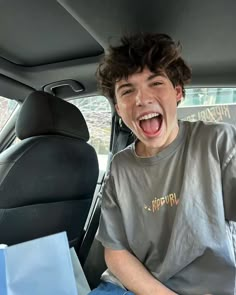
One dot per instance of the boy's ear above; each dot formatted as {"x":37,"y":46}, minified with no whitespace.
{"x":179,"y":93}
{"x":117,"y":109}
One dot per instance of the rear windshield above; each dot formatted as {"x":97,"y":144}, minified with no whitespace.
{"x":209,"y":104}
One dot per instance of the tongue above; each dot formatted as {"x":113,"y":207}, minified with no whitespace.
{"x":151,"y":125}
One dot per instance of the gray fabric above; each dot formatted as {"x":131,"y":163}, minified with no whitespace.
{"x":168,"y":210}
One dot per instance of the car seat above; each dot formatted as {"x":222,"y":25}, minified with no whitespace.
{"x":47,"y":180}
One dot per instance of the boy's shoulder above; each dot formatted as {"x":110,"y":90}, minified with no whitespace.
{"x":211,"y":129}
{"x":212,"y":136}
{"x":123,"y":159}
{"x":124,"y":155}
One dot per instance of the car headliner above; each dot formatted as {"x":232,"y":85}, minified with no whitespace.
{"x":47,"y":41}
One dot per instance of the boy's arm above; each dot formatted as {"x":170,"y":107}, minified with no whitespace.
{"x":132,"y":274}
{"x":229,"y":189}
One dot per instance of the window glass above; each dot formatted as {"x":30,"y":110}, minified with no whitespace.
{"x":209,"y":104}
{"x":97,"y":113}
{"x":7,"y":107}
{"x":209,"y":96}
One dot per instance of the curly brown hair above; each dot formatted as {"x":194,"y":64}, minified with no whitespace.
{"x":157,"y":52}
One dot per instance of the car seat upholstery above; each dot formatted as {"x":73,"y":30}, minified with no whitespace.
{"x":47,"y":180}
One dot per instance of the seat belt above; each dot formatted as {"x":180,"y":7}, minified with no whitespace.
{"x":91,"y":230}
{"x":122,"y":140}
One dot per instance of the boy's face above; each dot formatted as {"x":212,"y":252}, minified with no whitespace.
{"x":147,"y":103}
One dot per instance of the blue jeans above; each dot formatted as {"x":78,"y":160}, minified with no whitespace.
{"x":106,"y":288}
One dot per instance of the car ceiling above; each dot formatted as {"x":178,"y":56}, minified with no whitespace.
{"x":47,"y":41}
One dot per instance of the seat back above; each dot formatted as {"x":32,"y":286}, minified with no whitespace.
{"x":47,"y":180}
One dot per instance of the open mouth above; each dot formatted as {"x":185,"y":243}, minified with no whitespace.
{"x":151,"y":123}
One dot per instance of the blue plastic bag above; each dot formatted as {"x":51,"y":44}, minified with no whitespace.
{"x":39,"y":267}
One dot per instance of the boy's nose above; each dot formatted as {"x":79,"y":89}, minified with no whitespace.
{"x":143,"y":98}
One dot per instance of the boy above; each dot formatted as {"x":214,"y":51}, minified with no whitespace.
{"x":168,"y":200}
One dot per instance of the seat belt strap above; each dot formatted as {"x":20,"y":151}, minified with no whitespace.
{"x":121,"y":142}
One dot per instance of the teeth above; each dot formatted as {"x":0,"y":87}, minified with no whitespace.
{"x":149,"y":116}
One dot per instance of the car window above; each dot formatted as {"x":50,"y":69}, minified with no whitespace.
{"x":209,"y":104}
{"x":97,"y":113}
{"x":209,"y":96}
{"x":7,"y":107}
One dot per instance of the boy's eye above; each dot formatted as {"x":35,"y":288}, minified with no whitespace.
{"x":156,"y":83}
{"x":127,"y":92}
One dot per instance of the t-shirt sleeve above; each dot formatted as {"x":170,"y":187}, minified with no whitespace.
{"x":229,"y":186}
{"x":111,"y":232}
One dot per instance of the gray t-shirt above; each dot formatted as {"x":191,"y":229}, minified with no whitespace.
{"x":173,"y":211}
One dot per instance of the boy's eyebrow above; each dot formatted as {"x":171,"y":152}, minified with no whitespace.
{"x":148,"y":79}
{"x":155,"y":75}
{"x":123,"y":86}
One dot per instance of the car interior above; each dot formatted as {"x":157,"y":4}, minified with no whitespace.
{"x":58,"y":133}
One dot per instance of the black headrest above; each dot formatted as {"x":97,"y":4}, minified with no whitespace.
{"x":43,"y":114}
